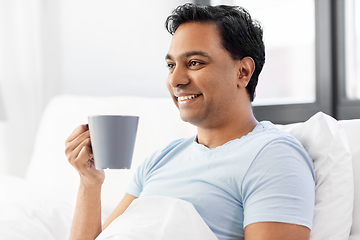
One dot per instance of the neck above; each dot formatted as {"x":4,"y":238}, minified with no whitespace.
{"x":234,"y":127}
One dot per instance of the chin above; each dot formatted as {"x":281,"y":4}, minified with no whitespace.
{"x":185,"y":117}
{"x":192,"y":119}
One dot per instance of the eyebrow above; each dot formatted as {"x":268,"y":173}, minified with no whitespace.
{"x":189,"y":54}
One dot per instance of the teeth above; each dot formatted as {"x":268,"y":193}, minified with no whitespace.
{"x":182,"y":98}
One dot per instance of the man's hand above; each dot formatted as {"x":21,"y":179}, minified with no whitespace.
{"x":276,"y":231}
{"x":87,"y":217}
{"x":79,"y":153}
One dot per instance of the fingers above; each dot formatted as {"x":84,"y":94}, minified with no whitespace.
{"x":78,"y":147}
{"x":79,"y":154}
{"x":79,"y":136}
{"x":77,"y":131}
{"x":84,"y":164}
{"x":75,"y":153}
{"x":82,"y":159}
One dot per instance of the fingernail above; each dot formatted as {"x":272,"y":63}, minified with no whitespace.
{"x":86,"y":126}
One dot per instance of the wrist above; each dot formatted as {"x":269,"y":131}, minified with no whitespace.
{"x":93,"y":178}
{"x":90,"y":185}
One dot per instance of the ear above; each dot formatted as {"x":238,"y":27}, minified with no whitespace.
{"x":246,"y":70}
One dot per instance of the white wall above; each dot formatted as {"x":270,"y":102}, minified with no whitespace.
{"x":115,"y":47}
{"x":87,"y":47}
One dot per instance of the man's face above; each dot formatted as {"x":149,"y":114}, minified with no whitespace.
{"x":202,"y":76}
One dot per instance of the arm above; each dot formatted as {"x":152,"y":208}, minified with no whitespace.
{"x":123,"y":205}
{"x":84,"y":220}
{"x":87,"y":218}
{"x":276,"y":231}
{"x":279,"y":190}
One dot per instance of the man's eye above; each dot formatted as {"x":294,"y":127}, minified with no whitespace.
{"x":195,"y":64}
{"x":170,"y":66}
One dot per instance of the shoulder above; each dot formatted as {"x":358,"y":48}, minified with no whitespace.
{"x":267,"y":137}
{"x":174,"y":146}
{"x":269,"y":132}
{"x":156,"y":159}
{"x":279,"y":154}
{"x":279,"y":146}
{"x":279,"y":185}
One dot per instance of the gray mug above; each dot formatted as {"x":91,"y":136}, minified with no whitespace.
{"x":113,"y":140}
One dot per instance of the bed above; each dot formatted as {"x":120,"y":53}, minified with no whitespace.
{"x":41,"y":205}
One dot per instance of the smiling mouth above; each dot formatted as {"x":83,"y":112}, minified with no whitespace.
{"x":187,"y":97}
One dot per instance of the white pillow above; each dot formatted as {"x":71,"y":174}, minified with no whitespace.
{"x":325,"y":140}
{"x":352,"y":129}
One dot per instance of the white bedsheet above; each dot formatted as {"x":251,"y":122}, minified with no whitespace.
{"x":32,"y":211}
{"x":158,"y":218}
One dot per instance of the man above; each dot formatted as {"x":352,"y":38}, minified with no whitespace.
{"x":246,"y":179}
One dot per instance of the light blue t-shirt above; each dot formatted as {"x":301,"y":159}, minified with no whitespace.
{"x":263,"y":176}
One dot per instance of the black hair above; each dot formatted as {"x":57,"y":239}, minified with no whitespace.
{"x":241,"y":35}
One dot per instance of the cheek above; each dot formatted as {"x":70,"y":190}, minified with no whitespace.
{"x":216,"y":82}
{"x":167,"y":83}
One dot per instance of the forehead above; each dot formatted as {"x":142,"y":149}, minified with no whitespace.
{"x":190,"y":37}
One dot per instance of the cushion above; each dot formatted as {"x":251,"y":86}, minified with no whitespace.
{"x":325,"y":140}
{"x":352,"y":129}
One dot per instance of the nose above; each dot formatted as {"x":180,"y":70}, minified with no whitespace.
{"x":178,"y":77}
